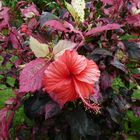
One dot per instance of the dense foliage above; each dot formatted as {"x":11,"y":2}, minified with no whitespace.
{"x":102,"y":38}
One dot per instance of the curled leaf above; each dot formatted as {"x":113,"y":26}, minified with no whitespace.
{"x":61,"y":46}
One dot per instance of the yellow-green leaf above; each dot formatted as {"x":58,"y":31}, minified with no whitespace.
{"x":79,"y":6}
{"x":39,"y":49}
{"x":72,"y":12}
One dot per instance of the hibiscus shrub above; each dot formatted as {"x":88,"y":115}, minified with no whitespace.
{"x":71,"y":72}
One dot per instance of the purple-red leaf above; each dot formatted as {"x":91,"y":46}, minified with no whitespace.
{"x":30,"y":11}
{"x":106,"y":80}
{"x":10,"y":101}
{"x":3,"y":124}
{"x":31,"y":76}
{"x":3,"y":113}
{"x":107,"y":27}
{"x":134,"y":20}
{"x":118,"y":65}
{"x":96,"y":97}
{"x":113,"y":8}
{"x":15,"y":38}
{"x":46,"y":16}
{"x":108,"y":1}
{"x":51,"y":109}
{"x":4,"y":18}
{"x":136,"y":110}
{"x":56,"y":25}
{"x":70,"y":27}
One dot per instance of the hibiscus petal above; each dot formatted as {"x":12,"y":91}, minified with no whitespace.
{"x":58,"y":83}
{"x":64,"y":93}
{"x":90,"y":74}
{"x":83,"y":89}
{"x":75,"y":63}
{"x":57,"y":68}
{"x":55,"y":75}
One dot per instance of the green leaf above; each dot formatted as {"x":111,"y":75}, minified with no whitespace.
{"x":135,"y":121}
{"x":127,"y":37}
{"x":117,"y":84}
{"x":14,"y":58}
{"x":131,"y":138}
{"x":136,"y":94}
{"x":1,"y":59}
{"x":2,"y":86}
{"x":10,"y":81}
{"x":9,"y":65}
{"x":1,"y":76}
{"x":5,"y":94}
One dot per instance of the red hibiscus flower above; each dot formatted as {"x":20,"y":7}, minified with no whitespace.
{"x":71,"y":76}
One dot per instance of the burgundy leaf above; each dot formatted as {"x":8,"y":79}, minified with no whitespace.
{"x":3,"y":124}
{"x":33,"y":23}
{"x":10,"y":101}
{"x":4,"y":18}
{"x":134,"y":7}
{"x":107,"y":27}
{"x":119,"y":65}
{"x":31,"y":76}
{"x":106,"y":80}
{"x":6,"y":59}
{"x":56,"y":25}
{"x":136,"y":76}
{"x":53,"y":22}
{"x":51,"y":109}
{"x":17,"y":63}
{"x":30,"y":11}
{"x":96,"y":97}
{"x":3,"y":130}
{"x":135,"y":4}
{"x":2,"y":38}
{"x":46,"y":16}
{"x":113,"y":7}
{"x":136,"y":110}
{"x":70,"y":27}
{"x":3,"y":113}
{"x":103,"y":52}
{"x":15,"y":38}
{"x":21,"y":3}
{"x":134,"y":20}
{"x":108,"y":1}
{"x":133,"y":49}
